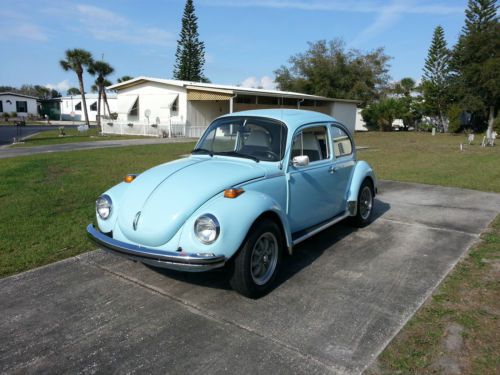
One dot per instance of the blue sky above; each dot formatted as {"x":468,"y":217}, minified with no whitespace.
{"x":246,"y":40}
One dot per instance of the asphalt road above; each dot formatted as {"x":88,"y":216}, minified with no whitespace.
{"x":8,"y":132}
{"x":65,"y":147}
{"x":339,"y":300}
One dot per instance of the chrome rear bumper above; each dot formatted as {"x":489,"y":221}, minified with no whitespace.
{"x":180,"y":261}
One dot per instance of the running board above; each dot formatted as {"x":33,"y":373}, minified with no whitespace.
{"x":321,"y":227}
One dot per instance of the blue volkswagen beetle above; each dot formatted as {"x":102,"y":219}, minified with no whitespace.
{"x":256,"y":184}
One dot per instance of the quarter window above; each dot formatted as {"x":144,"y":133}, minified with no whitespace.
{"x":21,"y":106}
{"x":93,"y":106}
{"x":1,"y":106}
{"x":342,"y":144}
{"x":78,"y":107}
{"x":312,"y":142}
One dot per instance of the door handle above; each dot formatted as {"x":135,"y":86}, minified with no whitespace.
{"x":333,"y":169}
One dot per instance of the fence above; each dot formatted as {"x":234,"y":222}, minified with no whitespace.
{"x":173,"y":130}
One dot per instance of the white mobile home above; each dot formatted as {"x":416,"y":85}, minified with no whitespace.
{"x":72,"y":107}
{"x":162,"y":107}
{"x":23,"y":105}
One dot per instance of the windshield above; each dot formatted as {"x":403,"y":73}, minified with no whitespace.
{"x":254,"y":138}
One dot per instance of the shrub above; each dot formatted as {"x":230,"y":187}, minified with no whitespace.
{"x":496,"y":124}
{"x":453,"y":114}
{"x":6,"y":116}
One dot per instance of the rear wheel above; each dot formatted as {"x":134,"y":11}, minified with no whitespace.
{"x":256,"y":263}
{"x":365,"y":204}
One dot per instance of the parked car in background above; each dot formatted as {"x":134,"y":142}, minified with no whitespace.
{"x":256,"y":184}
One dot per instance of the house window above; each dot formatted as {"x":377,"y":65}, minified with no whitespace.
{"x":175,"y":106}
{"x":1,"y":106}
{"x":78,"y":106}
{"x":93,"y":106}
{"x":134,"y":112}
{"x":245,"y":99}
{"x":21,"y":106}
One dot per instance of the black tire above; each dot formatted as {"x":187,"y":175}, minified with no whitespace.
{"x":364,"y":212}
{"x":253,"y":256}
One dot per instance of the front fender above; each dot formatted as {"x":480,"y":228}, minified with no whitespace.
{"x":116,"y":194}
{"x":235,"y":217}
{"x":362,"y":170}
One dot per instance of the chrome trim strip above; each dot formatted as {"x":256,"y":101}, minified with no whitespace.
{"x":319,"y":229}
{"x":165,"y":259}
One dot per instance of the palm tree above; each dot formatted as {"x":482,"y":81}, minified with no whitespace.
{"x":124,"y":78}
{"x":105,"y":84}
{"x":76,"y":60}
{"x":102,"y":69}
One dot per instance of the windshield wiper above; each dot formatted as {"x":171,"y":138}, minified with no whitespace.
{"x":239,"y":155}
{"x":202,"y":151}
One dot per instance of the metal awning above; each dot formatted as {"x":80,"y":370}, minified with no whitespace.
{"x":125,"y":103}
{"x":171,"y":98}
{"x":209,"y":95}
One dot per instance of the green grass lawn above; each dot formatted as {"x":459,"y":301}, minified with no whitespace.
{"x":51,"y":137}
{"x":435,"y":160}
{"x":47,"y":200}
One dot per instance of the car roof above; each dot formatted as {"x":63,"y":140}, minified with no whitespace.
{"x":293,"y":118}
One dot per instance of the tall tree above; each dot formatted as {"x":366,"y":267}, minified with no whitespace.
{"x":328,"y":69}
{"x":476,"y":60}
{"x":190,"y":54}
{"x":124,"y":78}
{"x":102,"y":69}
{"x":76,"y":60}
{"x":435,"y":79}
{"x":73,"y":91}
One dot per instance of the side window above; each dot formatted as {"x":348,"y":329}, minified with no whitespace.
{"x":342,"y":145}
{"x":312,"y":142}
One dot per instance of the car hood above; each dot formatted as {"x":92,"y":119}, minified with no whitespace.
{"x":161,"y":199}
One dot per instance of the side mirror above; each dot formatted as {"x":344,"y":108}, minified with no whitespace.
{"x":300,"y":161}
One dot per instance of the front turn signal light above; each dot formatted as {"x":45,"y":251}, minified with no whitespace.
{"x":233,"y":193}
{"x":129,"y":178}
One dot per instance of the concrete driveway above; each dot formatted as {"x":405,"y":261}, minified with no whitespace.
{"x":339,"y":300}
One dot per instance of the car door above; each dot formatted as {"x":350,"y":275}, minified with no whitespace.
{"x":342,"y":167}
{"x":309,"y":198}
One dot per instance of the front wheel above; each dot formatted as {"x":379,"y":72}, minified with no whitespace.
{"x":365,"y":205}
{"x":256,"y":263}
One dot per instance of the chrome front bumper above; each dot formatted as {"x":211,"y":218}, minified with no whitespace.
{"x":175,"y":260}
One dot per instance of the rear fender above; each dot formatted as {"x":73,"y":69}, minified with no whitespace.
{"x":362,"y":170}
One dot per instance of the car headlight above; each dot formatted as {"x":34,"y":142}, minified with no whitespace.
{"x":103,"y":206}
{"x":207,"y":228}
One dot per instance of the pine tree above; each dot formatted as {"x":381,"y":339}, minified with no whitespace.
{"x":476,"y":60}
{"x":478,"y":15}
{"x":436,"y":68}
{"x":435,"y":79}
{"x":190,"y":54}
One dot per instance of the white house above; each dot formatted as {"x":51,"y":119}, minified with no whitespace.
{"x":23,"y":105}
{"x":72,"y":106}
{"x":152,"y":106}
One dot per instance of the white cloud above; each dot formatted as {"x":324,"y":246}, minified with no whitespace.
{"x":62,"y":86}
{"x":366,"y":6}
{"x":265,"y":82}
{"x":103,"y":24}
{"x":16,"y":25}
{"x":387,"y":17}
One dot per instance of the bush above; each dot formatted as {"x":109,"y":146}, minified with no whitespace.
{"x":425,"y":127}
{"x":454,"y":115}
{"x":13,"y":114}
{"x":6,"y":116}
